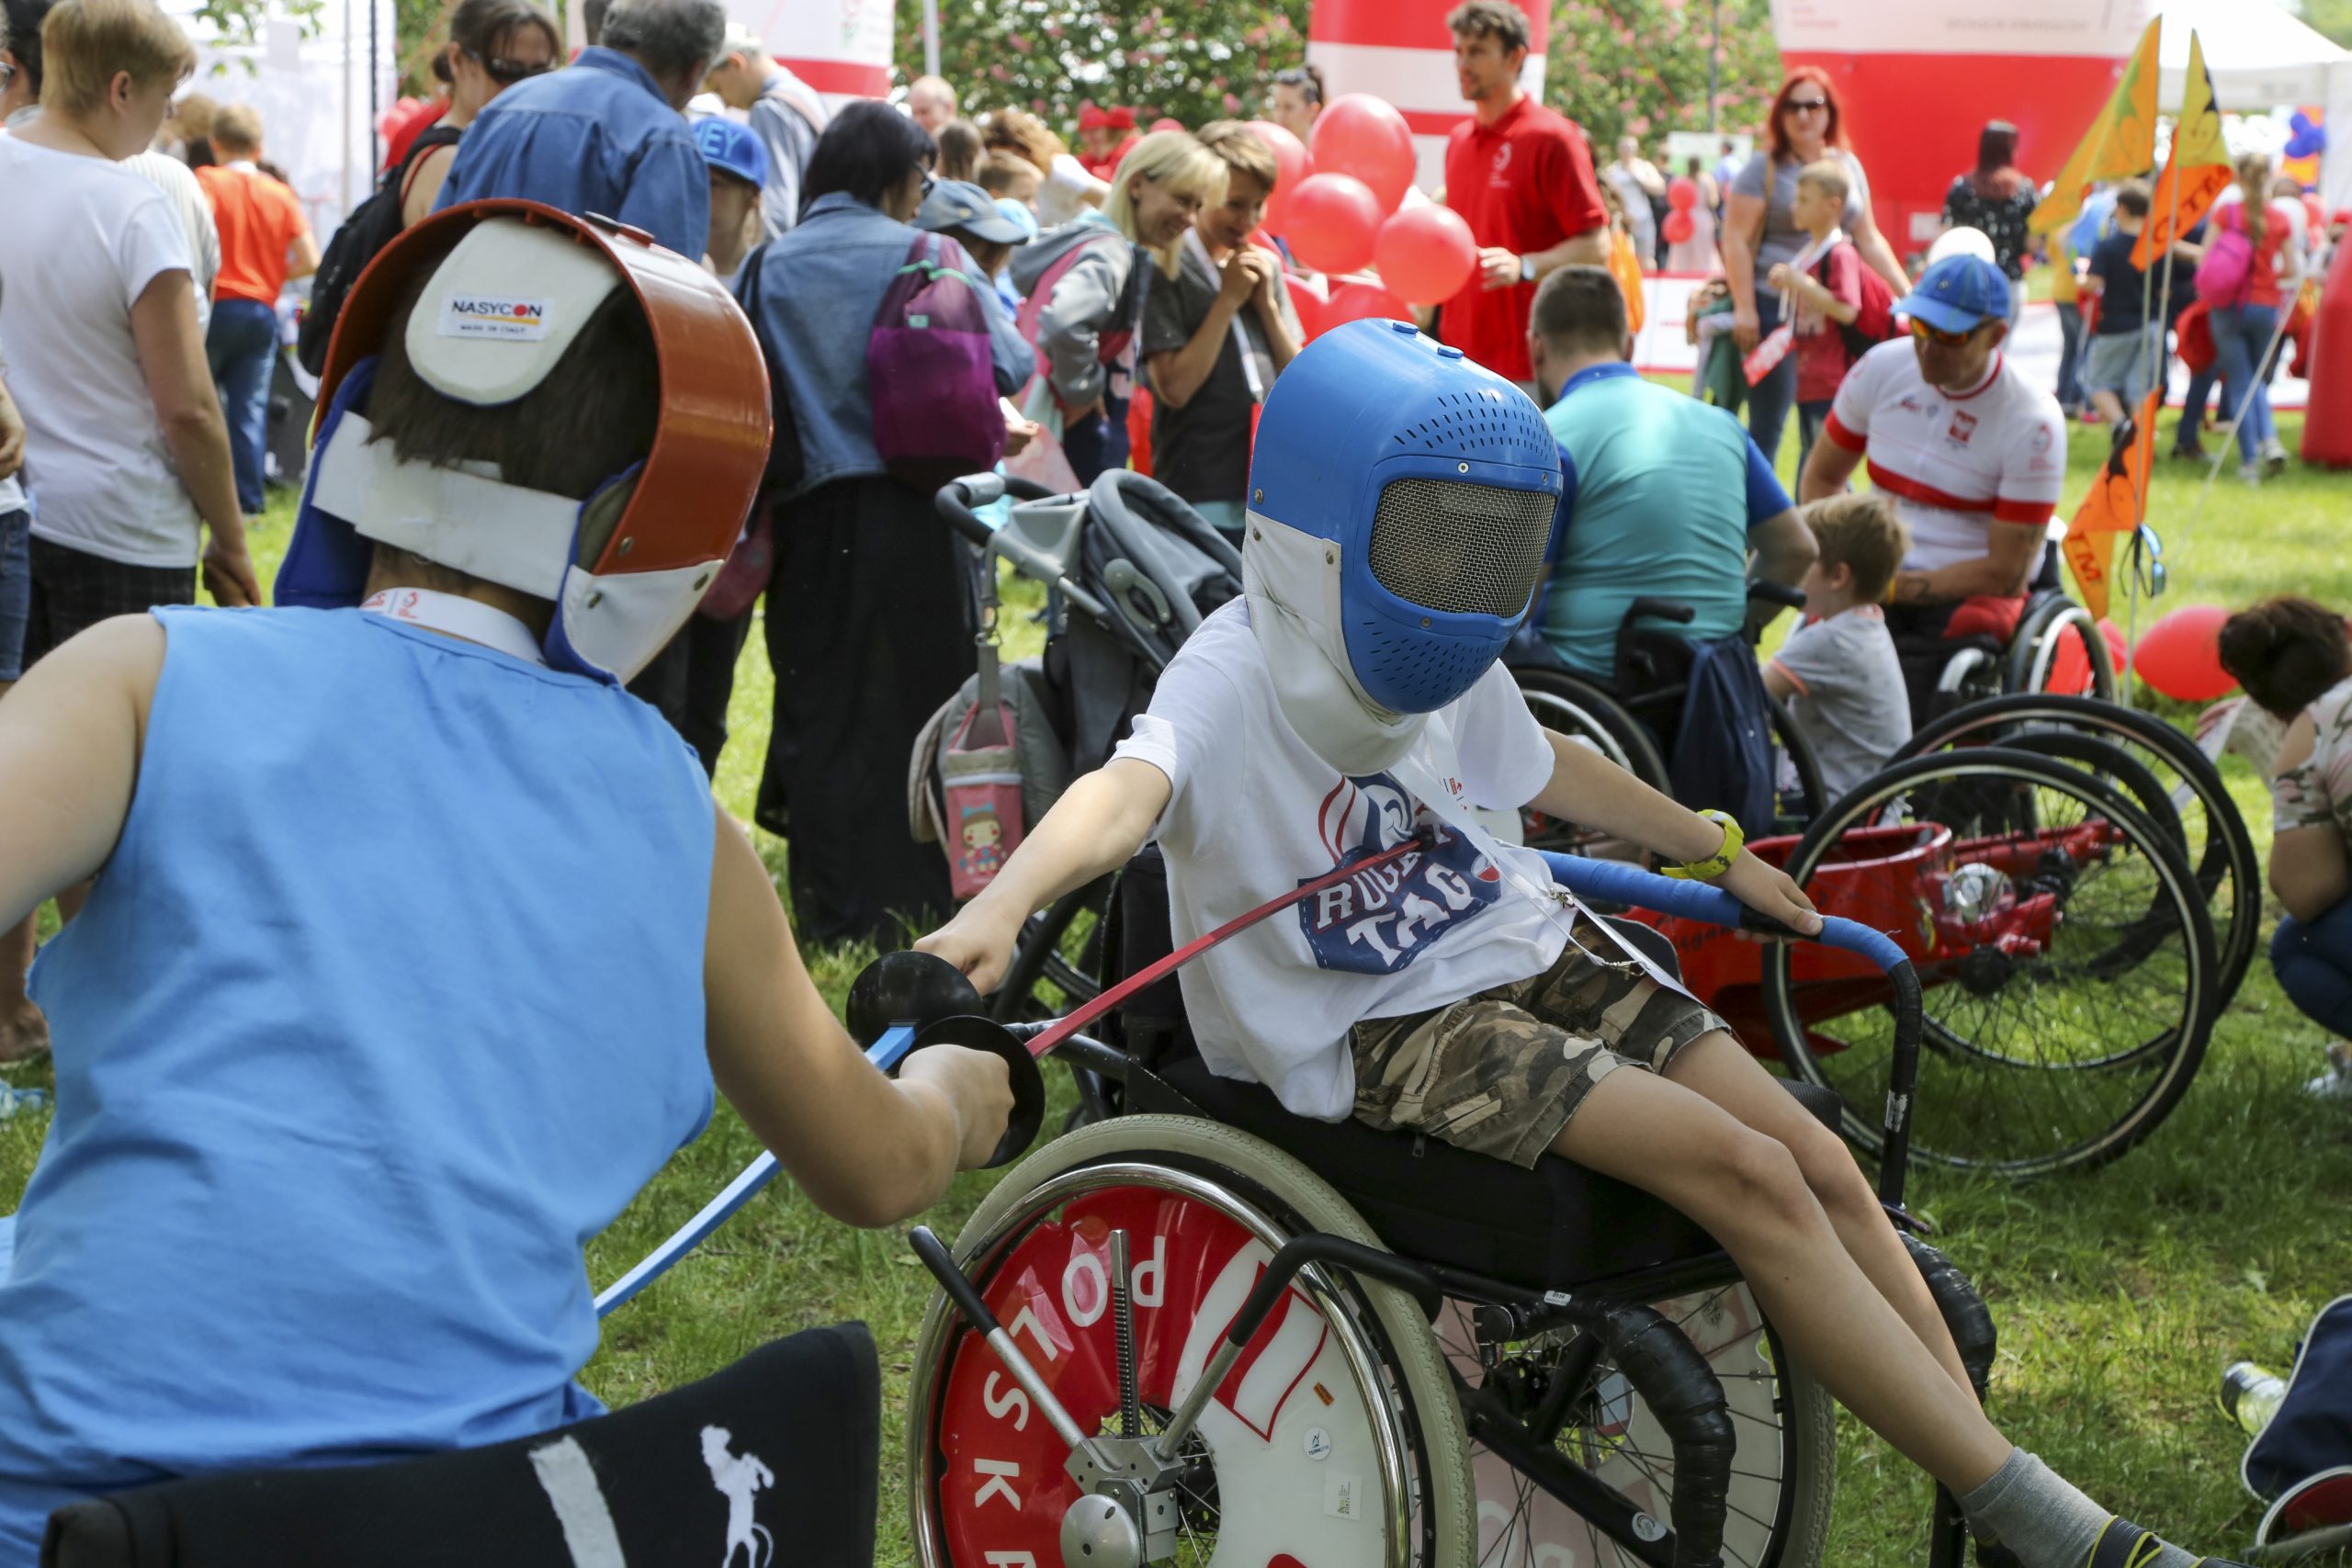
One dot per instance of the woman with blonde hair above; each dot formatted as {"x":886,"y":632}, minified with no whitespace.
{"x":1084,"y":292}
{"x":2266,"y":236}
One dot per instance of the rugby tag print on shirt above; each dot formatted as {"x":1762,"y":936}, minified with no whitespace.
{"x":1378,"y":921}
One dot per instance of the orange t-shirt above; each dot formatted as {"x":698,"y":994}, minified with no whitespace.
{"x":259,"y":221}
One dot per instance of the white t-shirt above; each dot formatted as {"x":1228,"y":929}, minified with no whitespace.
{"x":1955,"y":462}
{"x":1062,"y":195}
{"x":84,"y":238}
{"x":1256,"y":814}
{"x":178,"y":183}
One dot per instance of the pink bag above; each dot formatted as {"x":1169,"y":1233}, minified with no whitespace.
{"x":2225,"y":278}
{"x":979,"y":775}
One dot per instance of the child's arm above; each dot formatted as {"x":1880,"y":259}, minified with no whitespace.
{"x":1778,"y":681}
{"x":1588,"y":789}
{"x":867,"y":1150}
{"x":70,"y":737}
{"x":1096,"y":826}
{"x":1813,"y":292}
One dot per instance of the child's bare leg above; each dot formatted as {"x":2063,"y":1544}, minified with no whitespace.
{"x":1718,"y":1067}
{"x":23,"y":1032}
{"x":1746,"y":1188}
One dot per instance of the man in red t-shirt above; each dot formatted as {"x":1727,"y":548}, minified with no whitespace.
{"x":1521,"y":176}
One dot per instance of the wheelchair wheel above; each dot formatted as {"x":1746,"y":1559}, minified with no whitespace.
{"x":2064,"y":944}
{"x":1783,"y":1476}
{"x":1809,"y":798}
{"x":2213,"y":837}
{"x":2060,"y":651}
{"x":1340,"y":1443}
{"x":1576,"y":708}
{"x":1058,"y":961}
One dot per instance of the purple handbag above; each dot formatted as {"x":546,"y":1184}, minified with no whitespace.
{"x":927,"y":364}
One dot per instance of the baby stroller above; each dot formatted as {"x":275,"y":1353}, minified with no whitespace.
{"x":1129,"y":569}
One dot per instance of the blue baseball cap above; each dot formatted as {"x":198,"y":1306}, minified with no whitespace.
{"x":960,"y":204}
{"x":1019,"y":215}
{"x":1958,"y":294}
{"x":732,"y":149}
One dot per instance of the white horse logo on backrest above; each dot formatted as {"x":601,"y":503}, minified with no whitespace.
{"x":738,"y":1478}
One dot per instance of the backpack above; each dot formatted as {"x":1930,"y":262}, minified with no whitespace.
{"x":929,"y":371}
{"x":1873,"y":322}
{"x":369,"y":227}
{"x":2225,"y":275}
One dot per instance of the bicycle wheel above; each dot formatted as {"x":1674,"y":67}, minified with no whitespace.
{"x":1571,"y":705}
{"x":1784,"y":1475}
{"x":2063,"y":946}
{"x":1340,"y":1443}
{"x":2214,"y":840}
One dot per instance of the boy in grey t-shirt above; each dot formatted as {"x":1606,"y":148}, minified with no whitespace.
{"x":1838,"y":672}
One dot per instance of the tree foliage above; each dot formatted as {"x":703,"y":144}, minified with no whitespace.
{"x":1640,"y":67}
{"x":1193,"y":60}
{"x":238,"y":22}
{"x":2332,"y":18}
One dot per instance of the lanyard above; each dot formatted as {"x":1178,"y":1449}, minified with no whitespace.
{"x":453,"y":616}
{"x":1194,"y":244}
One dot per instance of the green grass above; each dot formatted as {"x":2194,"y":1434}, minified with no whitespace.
{"x":2119,"y":1294}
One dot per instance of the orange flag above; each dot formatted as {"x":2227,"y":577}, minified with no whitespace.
{"x":2121,"y":141}
{"x":2198,"y":170}
{"x":2117,"y":502}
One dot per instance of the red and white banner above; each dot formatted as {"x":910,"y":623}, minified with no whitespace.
{"x":1919,"y":80}
{"x":1400,"y":50}
{"x":842,"y":48}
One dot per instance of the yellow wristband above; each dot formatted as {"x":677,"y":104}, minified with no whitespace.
{"x":1720,"y":862}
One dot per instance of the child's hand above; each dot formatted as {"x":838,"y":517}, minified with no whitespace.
{"x":978,"y":1085}
{"x":979,"y":945}
{"x":1769,"y":890}
{"x":1778,"y":279}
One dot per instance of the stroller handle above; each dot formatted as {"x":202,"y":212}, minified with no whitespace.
{"x":1618,"y":883}
{"x":956,"y":499}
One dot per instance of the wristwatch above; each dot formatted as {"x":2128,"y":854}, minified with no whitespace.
{"x":1714,"y":866}
{"x":1527,"y":270}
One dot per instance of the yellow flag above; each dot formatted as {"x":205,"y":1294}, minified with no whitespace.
{"x":2120,"y":141}
{"x":2118,"y":499}
{"x":2198,"y":170}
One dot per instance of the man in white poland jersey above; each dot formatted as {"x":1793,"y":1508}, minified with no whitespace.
{"x":1351,"y":703}
{"x":1972,"y":454}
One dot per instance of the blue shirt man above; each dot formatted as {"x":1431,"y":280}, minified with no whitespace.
{"x":1666,"y":496}
{"x":602,"y":137}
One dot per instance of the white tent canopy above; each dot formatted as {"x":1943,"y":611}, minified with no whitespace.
{"x":2261,"y":56}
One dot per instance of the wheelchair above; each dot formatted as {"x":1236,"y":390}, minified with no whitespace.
{"x":1207,"y":1329}
{"x":1635,"y":718}
{"x":2057,"y":649}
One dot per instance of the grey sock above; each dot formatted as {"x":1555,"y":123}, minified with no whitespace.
{"x":2038,"y":1515}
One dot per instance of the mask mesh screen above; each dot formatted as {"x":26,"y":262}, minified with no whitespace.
{"x":1460,"y":548}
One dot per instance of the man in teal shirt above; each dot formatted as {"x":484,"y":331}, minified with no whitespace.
{"x":1666,"y":496}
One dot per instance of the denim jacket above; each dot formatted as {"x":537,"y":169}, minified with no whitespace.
{"x":821,"y":284}
{"x":597,"y":138}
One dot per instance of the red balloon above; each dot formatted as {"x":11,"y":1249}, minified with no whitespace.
{"x":2181,"y":655}
{"x":1354,"y":300}
{"x":1309,"y":306}
{"x":1333,"y":221}
{"x":1361,"y":135}
{"x":1683,"y":193}
{"x":1426,"y":255}
{"x":1678,"y":226}
{"x":1291,"y":165}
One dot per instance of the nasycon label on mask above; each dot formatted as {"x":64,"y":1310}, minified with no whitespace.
{"x":494,"y":316}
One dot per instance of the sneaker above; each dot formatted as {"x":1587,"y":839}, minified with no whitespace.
{"x":2125,"y":1545}
{"x":2336,"y":1082}
{"x":2250,"y":472}
{"x":2274,"y":456}
{"x":2189,"y":449}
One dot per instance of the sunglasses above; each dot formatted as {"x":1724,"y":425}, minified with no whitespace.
{"x":1937,"y":336}
{"x":1808,"y":106}
{"x":505,"y":71}
{"x":2148,"y":561}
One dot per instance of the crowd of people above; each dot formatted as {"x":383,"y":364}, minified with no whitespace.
{"x":141,"y":283}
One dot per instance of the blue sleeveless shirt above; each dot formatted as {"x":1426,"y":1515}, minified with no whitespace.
{"x":388,"y":1000}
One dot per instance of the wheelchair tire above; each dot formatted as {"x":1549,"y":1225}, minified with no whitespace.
{"x":1813,"y":795}
{"x":2036,"y":655}
{"x":1999,"y":1092}
{"x":2214,"y":838}
{"x":1197,"y":1178}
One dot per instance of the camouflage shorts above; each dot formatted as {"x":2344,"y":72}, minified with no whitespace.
{"x":1500,"y":1072}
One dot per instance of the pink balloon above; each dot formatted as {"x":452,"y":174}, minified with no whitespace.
{"x":1333,"y":221}
{"x":1683,"y":193}
{"x":1355,"y":300}
{"x":1292,"y":165}
{"x":1678,"y":226}
{"x":1361,"y":135}
{"x":1426,"y":255}
{"x":2181,"y":655}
